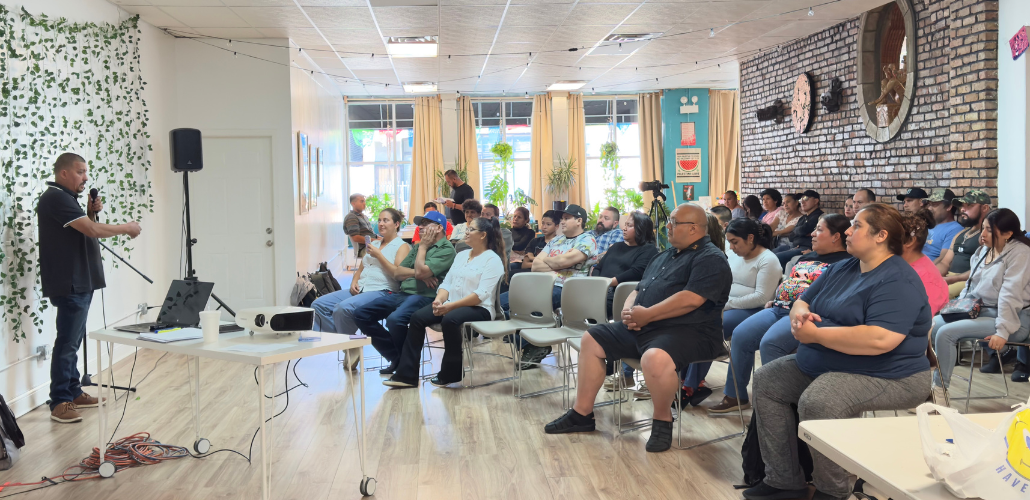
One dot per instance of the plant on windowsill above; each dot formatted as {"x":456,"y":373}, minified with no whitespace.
{"x":377,"y":203}
{"x":614,"y":194}
{"x":561,"y":181}
{"x":518,"y":199}
{"x":497,"y":189}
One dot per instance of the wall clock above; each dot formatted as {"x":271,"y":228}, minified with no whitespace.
{"x":801,"y":106}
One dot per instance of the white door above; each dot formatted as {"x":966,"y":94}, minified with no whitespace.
{"x":231,"y":203}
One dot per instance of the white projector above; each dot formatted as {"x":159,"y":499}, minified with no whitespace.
{"x":278,"y":320}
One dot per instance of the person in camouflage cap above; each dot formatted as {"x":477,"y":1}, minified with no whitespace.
{"x":954,"y":263}
{"x":975,"y":196}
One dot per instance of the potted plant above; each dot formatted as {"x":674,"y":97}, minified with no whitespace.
{"x":561,"y":181}
{"x":614,"y":194}
{"x":497,"y":189}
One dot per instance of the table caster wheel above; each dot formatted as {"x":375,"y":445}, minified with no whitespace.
{"x":202,"y":446}
{"x":368,"y":486}
{"x":106,"y":469}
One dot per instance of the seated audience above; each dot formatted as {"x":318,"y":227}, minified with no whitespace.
{"x":607,"y":232}
{"x":788,"y":218}
{"x":849,"y":208}
{"x":768,"y":330}
{"x":626,"y":260}
{"x":724,"y":214}
{"x":917,"y":227}
{"x":862,"y":327}
{"x":549,"y":229}
{"x":335,"y":312}
{"x":466,"y":294}
{"x":1000,"y":277}
{"x":862,"y":198}
{"x":671,"y":320}
{"x":729,"y":200}
{"x":356,"y":226}
{"x":913,"y":200}
{"x":753,"y":207}
{"x":717,"y":229}
{"x":801,"y":236}
{"x":491,"y":212}
{"x":772,"y":202}
{"x":471,"y":209}
{"x":943,"y":233}
{"x":954,"y":264}
{"x":521,"y":233}
{"x":568,"y":255}
{"x":431,"y":206}
{"x":419,"y":273}
{"x":756,"y":273}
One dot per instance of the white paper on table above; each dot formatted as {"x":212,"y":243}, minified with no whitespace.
{"x":173,"y":336}
{"x":257,"y":347}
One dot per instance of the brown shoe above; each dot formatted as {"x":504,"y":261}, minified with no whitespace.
{"x":728,"y":405}
{"x":86,"y":401}
{"x":65,"y":413}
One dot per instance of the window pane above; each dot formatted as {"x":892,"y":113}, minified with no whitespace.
{"x":627,"y":136}
{"x":595,"y":182}
{"x":405,"y":144}
{"x":488,"y":110}
{"x":486,"y":137}
{"x":521,"y":139}
{"x":626,"y":106}
{"x":595,"y":136}
{"x":362,"y":178}
{"x":519,"y":109}
{"x":378,"y":112}
{"x":405,"y":111}
{"x":597,"y":107}
{"x":370,"y":145}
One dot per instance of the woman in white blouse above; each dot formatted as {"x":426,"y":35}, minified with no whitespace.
{"x":466,"y":294}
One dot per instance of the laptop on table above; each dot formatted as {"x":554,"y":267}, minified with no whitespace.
{"x":181,"y":308}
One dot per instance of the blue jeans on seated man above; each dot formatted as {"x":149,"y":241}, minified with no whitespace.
{"x":72,"y":309}
{"x":396,"y":309}
{"x":697,"y":372}
{"x":555,"y":304}
{"x":334,"y":313}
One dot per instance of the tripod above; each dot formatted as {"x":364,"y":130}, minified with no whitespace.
{"x":191,"y":274}
{"x":660,"y":216}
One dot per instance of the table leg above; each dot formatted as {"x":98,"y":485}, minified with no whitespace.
{"x":271,"y":430}
{"x":264,"y":447}
{"x":196,"y":398}
{"x":100,"y":395}
{"x":106,"y":468}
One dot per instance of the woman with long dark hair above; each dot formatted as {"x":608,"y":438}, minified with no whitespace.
{"x":466,"y":294}
{"x":753,"y":207}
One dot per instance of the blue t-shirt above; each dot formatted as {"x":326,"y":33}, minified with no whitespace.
{"x":938,"y":239}
{"x":890,"y":296}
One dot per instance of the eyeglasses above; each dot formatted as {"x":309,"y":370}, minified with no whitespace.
{"x":673,"y":223}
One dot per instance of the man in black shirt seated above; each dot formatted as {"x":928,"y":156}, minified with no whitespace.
{"x":801,"y":237}
{"x":674,"y":318}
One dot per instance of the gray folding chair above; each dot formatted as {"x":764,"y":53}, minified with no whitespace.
{"x":529,"y":300}
{"x":622,"y":292}
{"x":583,"y":304}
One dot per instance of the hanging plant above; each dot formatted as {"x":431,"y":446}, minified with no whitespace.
{"x":497,"y":189}
{"x":65,"y":87}
{"x":562,"y":178}
{"x":614,"y":194}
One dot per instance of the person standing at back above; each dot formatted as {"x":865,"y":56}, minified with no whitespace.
{"x":460,"y":191}
{"x":70,"y":270}
{"x":356,"y":226}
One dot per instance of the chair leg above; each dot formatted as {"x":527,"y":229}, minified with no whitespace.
{"x":969,"y":390}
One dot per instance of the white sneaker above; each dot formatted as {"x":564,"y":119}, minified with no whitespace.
{"x":609,"y":383}
{"x":642,"y":393}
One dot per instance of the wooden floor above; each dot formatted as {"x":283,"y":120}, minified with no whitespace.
{"x":424,"y":443}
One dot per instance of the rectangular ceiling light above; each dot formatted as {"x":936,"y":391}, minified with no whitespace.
{"x":567,"y":85}
{"x":419,"y":87}
{"x":621,"y":44}
{"x":413,"y":46}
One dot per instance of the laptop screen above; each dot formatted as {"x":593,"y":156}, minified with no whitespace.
{"x":184,"y":302}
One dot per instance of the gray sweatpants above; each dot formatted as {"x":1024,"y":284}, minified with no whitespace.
{"x":829,"y":396}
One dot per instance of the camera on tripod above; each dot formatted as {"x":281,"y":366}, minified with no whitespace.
{"x":655,"y":187}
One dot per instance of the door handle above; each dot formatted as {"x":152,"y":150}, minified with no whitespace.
{"x":268,"y":243}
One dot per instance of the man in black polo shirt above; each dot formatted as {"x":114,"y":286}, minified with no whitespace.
{"x":801,"y":237}
{"x":674,"y":318}
{"x":460,"y":191}
{"x":70,"y":270}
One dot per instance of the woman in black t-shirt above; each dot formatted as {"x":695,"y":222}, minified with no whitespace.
{"x":625,"y":261}
{"x":521,"y":233}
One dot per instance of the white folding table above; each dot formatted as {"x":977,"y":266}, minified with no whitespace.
{"x":218,"y":350}
{"x":886,"y":452}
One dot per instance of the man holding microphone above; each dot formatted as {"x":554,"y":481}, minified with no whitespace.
{"x":70,"y":270}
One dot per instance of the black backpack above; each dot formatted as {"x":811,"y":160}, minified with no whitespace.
{"x":751,"y":453}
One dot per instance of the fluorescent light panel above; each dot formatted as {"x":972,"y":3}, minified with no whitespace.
{"x":419,"y":87}
{"x":422,"y":46}
{"x":567,"y":85}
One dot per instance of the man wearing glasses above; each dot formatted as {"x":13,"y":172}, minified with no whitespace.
{"x":801,"y":237}
{"x":672,"y":319}
{"x":419,"y":273}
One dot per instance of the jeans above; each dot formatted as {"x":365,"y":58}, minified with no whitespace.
{"x":555,"y":304}
{"x":450,"y":366}
{"x":785,"y":253}
{"x":833,"y":395}
{"x":767,"y":331}
{"x":697,"y":372}
{"x":72,"y":309}
{"x":396,"y":309}
{"x":946,"y":336}
{"x":334,"y":313}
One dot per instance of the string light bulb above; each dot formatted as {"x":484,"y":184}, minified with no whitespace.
{"x":234,"y":55}
{"x":811,"y":11}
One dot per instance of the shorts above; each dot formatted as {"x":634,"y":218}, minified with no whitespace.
{"x":683,"y":346}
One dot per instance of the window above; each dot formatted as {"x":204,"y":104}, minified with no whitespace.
{"x":611,"y":120}
{"x":380,"y":145}
{"x":504,"y":121}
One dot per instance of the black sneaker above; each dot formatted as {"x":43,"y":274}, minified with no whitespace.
{"x":765,"y":492}
{"x":400,"y":384}
{"x":699,"y":396}
{"x":1020,"y":373}
{"x":389,"y":370}
{"x":992,"y":365}
{"x":661,"y":436}
{"x":571,"y":421}
{"x":440,"y":382}
{"x":533,"y":355}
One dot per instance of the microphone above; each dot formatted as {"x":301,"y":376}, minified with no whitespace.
{"x":93,"y":193}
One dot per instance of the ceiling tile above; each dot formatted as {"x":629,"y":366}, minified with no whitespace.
{"x":468,"y":34}
{"x":257,"y":3}
{"x":536,"y":15}
{"x":525,"y":34}
{"x":353,"y":36}
{"x":186,"y":3}
{"x":206,"y":17}
{"x":407,"y":17}
{"x":473,"y":2}
{"x":661,"y":13}
{"x":341,"y":17}
{"x":488,"y":16}
{"x":230,"y":33}
{"x":153,"y":16}
{"x":602,"y":13}
{"x":131,"y":2}
{"x":273,"y":17}
{"x":415,"y":32}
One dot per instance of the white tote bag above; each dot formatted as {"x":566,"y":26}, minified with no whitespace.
{"x":980,"y":462}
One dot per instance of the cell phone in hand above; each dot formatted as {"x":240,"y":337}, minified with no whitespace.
{"x":368,"y":240}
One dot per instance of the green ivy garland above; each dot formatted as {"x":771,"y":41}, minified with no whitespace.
{"x":65,"y":87}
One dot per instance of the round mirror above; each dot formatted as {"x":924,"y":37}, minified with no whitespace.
{"x":886,"y":66}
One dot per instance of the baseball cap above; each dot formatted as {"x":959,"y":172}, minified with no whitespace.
{"x":575,"y":211}
{"x":973,"y":196}
{"x":810,"y":193}
{"x":917,"y":193}
{"x":436,"y":217}
{"x":941,"y":194}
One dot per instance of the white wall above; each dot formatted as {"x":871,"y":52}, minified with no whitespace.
{"x":1013,"y":139}
{"x":317,"y":110}
{"x":25,"y":380}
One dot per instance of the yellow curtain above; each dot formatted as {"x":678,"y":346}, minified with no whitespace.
{"x":541,"y":158}
{"x":649,"y":109}
{"x":578,"y":151}
{"x":723,"y":141}
{"x":427,"y":154}
{"x":468,"y":154}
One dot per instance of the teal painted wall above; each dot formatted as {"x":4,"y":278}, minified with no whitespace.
{"x":671,"y":118}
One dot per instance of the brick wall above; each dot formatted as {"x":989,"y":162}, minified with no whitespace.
{"x":948,"y":140}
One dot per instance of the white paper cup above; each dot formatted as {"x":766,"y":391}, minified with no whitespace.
{"x":209,"y":325}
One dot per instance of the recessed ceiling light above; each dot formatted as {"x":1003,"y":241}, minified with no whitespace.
{"x":567,"y":85}
{"x":419,"y":87}
{"x":413,"y":46}
{"x":621,"y":43}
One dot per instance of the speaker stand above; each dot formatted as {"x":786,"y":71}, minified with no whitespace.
{"x":191,"y":274}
